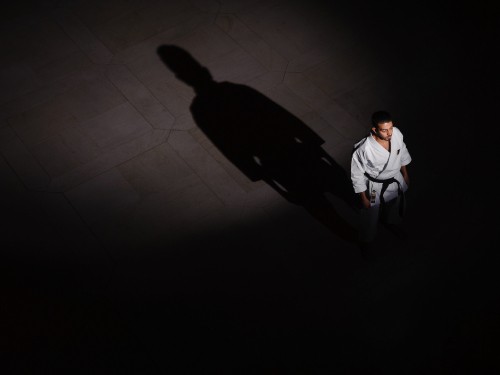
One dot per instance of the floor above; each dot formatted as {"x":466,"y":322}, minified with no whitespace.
{"x":140,"y":235}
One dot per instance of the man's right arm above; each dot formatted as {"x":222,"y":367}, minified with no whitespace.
{"x":365,"y":200}
{"x":359,"y":180}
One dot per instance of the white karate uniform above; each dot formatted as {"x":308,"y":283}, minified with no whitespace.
{"x":371,"y":157}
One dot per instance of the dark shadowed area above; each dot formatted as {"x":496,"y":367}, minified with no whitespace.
{"x":175,"y":189}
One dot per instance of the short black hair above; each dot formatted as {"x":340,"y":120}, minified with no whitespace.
{"x":380,"y":117}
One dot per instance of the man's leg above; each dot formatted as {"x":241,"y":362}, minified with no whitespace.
{"x":392,"y":219}
{"x":368,"y":221}
{"x":390,"y":213}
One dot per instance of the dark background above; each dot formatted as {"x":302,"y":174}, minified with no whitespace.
{"x":263,"y":306}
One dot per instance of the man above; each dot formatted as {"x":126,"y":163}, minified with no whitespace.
{"x":379,"y":176}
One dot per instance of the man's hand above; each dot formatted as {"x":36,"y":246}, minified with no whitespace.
{"x":365,"y":201}
{"x":407,"y":180}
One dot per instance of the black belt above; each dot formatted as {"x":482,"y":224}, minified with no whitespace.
{"x":385,"y":183}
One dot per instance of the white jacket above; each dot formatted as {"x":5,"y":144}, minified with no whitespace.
{"x":370,"y":157}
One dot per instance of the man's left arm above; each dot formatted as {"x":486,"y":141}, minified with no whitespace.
{"x":405,"y":160}
{"x":406,"y":176}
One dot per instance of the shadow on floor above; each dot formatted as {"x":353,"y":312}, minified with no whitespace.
{"x":265,"y":141}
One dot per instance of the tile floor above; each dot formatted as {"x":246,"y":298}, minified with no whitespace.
{"x":135,"y":242}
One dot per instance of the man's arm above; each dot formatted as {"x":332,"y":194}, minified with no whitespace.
{"x":365,"y":200}
{"x":404,"y":172}
{"x":359,"y":180}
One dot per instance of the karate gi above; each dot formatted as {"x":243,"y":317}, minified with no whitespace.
{"x":370,"y":164}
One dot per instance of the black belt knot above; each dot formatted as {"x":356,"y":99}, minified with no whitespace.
{"x":385,"y":183}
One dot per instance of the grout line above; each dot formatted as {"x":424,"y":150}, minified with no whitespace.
{"x":126,"y":99}
{"x":201,"y":178}
{"x":30,"y":154}
{"x":119,"y":164}
{"x":69,"y":12}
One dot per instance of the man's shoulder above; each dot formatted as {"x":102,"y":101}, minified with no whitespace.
{"x":396,"y":131}
{"x":360,"y":145}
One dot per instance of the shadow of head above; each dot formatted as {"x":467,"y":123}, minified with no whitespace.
{"x":184,"y":66}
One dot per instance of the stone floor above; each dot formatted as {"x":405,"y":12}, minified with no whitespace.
{"x":135,"y":240}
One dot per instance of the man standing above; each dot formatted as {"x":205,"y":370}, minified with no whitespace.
{"x":380,"y":177}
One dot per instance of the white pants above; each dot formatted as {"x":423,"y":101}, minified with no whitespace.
{"x":370,"y":217}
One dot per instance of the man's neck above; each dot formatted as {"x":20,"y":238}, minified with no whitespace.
{"x":385,"y":144}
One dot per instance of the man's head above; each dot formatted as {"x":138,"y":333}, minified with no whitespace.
{"x":185,"y":67}
{"x":382,"y":126}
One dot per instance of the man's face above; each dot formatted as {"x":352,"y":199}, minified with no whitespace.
{"x":384,"y":130}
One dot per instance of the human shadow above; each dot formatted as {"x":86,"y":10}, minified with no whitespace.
{"x":265,"y":141}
